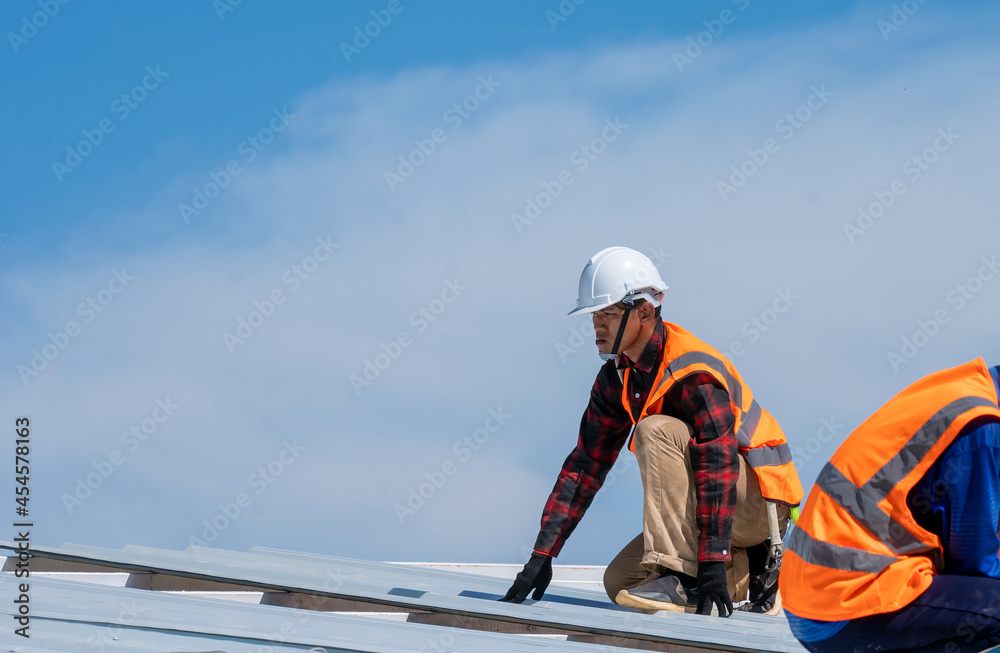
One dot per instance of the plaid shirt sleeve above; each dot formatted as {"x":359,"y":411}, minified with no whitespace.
{"x":700,"y":400}
{"x":603,"y":430}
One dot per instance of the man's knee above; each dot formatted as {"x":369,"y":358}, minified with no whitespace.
{"x":663,"y":427}
{"x":613,"y":582}
{"x":623,"y":575}
{"x":625,"y":571}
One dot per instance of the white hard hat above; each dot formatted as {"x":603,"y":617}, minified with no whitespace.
{"x":617,"y":273}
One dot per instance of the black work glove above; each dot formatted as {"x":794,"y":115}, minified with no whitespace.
{"x":712,"y":589}
{"x":536,"y":575}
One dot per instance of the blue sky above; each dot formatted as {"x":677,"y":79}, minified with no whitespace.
{"x":815,"y":183}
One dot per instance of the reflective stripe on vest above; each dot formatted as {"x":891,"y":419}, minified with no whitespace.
{"x":749,"y":425}
{"x":700,"y":358}
{"x":862,"y":503}
{"x":759,"y":437}
{"x":768,"y":456}
{"x":758,"y":457}
{"x":834,"y":556}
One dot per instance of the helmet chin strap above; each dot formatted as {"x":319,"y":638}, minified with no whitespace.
{"x":621,"y":332}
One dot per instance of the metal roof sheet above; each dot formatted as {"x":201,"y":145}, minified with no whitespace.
{"x":444,"y":591}
{"x":81,"y":637}
{"x":102,"y":617}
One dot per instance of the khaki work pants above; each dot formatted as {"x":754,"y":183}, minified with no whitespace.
{"x":669,"y":538}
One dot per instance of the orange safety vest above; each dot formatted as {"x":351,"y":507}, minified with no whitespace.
{"x":857,"y":549}
{"x":758,"y":434}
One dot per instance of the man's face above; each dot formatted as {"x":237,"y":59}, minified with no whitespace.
{"x":606,"y":324}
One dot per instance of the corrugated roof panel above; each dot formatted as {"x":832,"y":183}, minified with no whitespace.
{"x":443,"y":580}
{"x":450,"y":592}
{"x":141,"y":619}
{"x":52,"y":636}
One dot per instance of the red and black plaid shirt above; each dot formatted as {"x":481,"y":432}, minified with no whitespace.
{"x":698,"y":399}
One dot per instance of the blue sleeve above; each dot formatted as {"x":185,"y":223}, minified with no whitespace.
{"x":812,"y":630}
{"x":967,"y":487}
{"x":995,"y":371}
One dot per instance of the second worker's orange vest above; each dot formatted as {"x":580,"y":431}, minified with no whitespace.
{"x":857,"y":549}
{"x":758,"y":434}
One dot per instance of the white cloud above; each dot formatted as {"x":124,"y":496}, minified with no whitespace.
{"x":654,"y":186}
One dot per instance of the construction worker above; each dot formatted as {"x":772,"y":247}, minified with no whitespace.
{"x":897,"y":547}
{"x":716,"y":470}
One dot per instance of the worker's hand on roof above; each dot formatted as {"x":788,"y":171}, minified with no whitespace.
{"x":536,"y":575}
{"x":713,"y":589}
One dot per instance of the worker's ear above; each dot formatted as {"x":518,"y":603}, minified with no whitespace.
{"x":646,"y":312}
